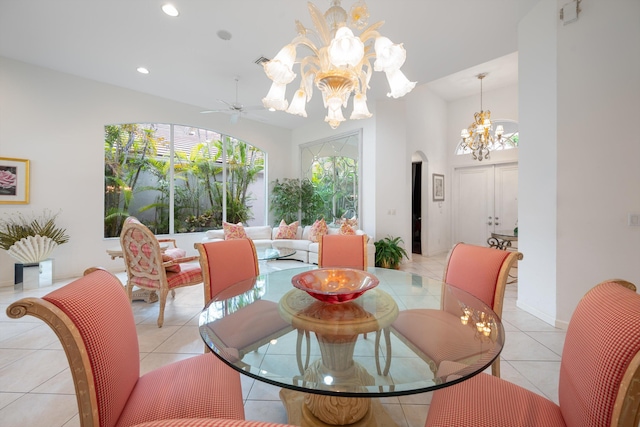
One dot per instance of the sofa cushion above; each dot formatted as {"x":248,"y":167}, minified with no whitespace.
{"x":233,"y":231}
{"x":317,"y":230}
{"x":298,"y":245}
{"x":258,"y":232}
{"x":287,"y":231}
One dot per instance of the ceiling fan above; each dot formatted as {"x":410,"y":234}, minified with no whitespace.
{"x":236,"y":109}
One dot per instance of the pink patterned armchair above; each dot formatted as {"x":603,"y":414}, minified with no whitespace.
{"x":150,"y":268}
{"x":599,"y":375}
{"x":93,"y":319}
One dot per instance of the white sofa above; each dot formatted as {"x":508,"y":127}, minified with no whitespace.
{"x":263,"y":236}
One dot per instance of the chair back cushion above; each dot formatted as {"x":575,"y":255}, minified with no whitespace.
{"x":475,"y":269}
{"x":225,"y":263}
{"x":602,"y":338}
{"x":337,"y":250}
{"x":142,"y":254}
{"x":98,"y":306}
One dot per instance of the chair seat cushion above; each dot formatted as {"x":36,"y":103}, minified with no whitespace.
{"x":198,"y":387}
{"x":488,"y":401}
{"x":241,"y":329}
{"x":446,"y":338}
{"x":190,"y":273}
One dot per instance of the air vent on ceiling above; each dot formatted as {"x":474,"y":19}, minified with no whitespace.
{"x":261,"y":60}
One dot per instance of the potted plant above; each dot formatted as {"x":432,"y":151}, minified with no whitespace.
{"x":389,"y":253}
{"x":31,"y":240}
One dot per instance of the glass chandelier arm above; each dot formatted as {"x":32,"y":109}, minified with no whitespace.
{"x":371,"y":33}
{"x":303,"y":40}
{"x":324,"y":33}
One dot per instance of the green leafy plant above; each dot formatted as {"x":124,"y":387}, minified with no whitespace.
{"x":16,"y":227}
{"x":389,"y":253}
{"x":292,"y":198}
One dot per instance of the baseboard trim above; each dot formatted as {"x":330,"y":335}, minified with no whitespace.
{"x":541,"y":315}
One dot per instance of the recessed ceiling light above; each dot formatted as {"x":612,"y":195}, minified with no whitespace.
{"x":143,"y":70}
{"x":224,"y":34}
{"x":170,"y":10}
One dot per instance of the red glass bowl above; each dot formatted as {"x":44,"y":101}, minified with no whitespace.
{"x":335,"y":285}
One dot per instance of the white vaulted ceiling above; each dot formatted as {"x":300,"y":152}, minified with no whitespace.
{"x":106,"y":40}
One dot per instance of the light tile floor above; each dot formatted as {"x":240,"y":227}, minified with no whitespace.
{"x":36,"y":388}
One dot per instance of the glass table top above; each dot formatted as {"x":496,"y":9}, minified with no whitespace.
{"x":266,"y":254}
{"x":388,"y":342}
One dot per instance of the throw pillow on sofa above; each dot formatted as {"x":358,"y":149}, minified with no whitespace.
{"x":287,"y":231}
{"x":318,"y":229}
{"x":346,"y":230}
{"x":233,"y":231}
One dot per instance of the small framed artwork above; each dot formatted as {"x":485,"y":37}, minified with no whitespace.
{"x":438,"y":187}
{"x":14,"y":181}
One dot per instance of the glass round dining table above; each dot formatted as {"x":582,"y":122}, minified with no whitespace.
{"x":409,"y":334}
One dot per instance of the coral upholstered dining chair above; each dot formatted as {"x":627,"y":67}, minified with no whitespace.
{"x":93,"y":319}
{"x":228,"y":262}
{"x":481,"y":271}
{"x":149,"y":268}
{"x":348,"y":251}
{"x":599,"y":383}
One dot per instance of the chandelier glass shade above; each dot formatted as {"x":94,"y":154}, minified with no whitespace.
{"x":338,"y":64}
{"x":477,"y":137}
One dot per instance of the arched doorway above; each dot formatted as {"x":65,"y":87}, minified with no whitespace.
{"x":419,"y":188}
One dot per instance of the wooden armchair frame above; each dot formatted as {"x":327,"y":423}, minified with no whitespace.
{"x":147,"y":270}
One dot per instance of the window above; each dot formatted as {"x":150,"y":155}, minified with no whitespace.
{"x":179,"y":179}
{"x":509,"y":139}
{"x":332,"y":166}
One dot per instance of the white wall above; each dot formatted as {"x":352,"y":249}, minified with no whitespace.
{"x":57,"y":121}
{"x":579,"y":178}
{"x":537,"y":203}
{"x":598,"y":166}
{"x":427,"y":133}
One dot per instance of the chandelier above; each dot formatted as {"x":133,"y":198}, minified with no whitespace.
{"x":477,"y":137}
{"x":339,"y":64}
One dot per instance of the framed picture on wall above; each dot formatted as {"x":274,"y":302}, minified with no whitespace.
{"x":14,"y":181}
{"x":438,"y":187}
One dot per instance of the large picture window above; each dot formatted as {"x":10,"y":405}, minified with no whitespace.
{"x":179,"y":179}
{"x":332,"y":166}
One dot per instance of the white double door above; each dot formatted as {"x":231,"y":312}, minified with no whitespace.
{"x":485,"y":200}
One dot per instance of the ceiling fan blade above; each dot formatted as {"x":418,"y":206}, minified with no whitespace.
{"x":227,"y":103}
{"x":213,"y":111}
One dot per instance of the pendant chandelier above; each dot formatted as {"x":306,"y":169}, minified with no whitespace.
{"x":477,"y":138}
{"x":339,"y":64}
